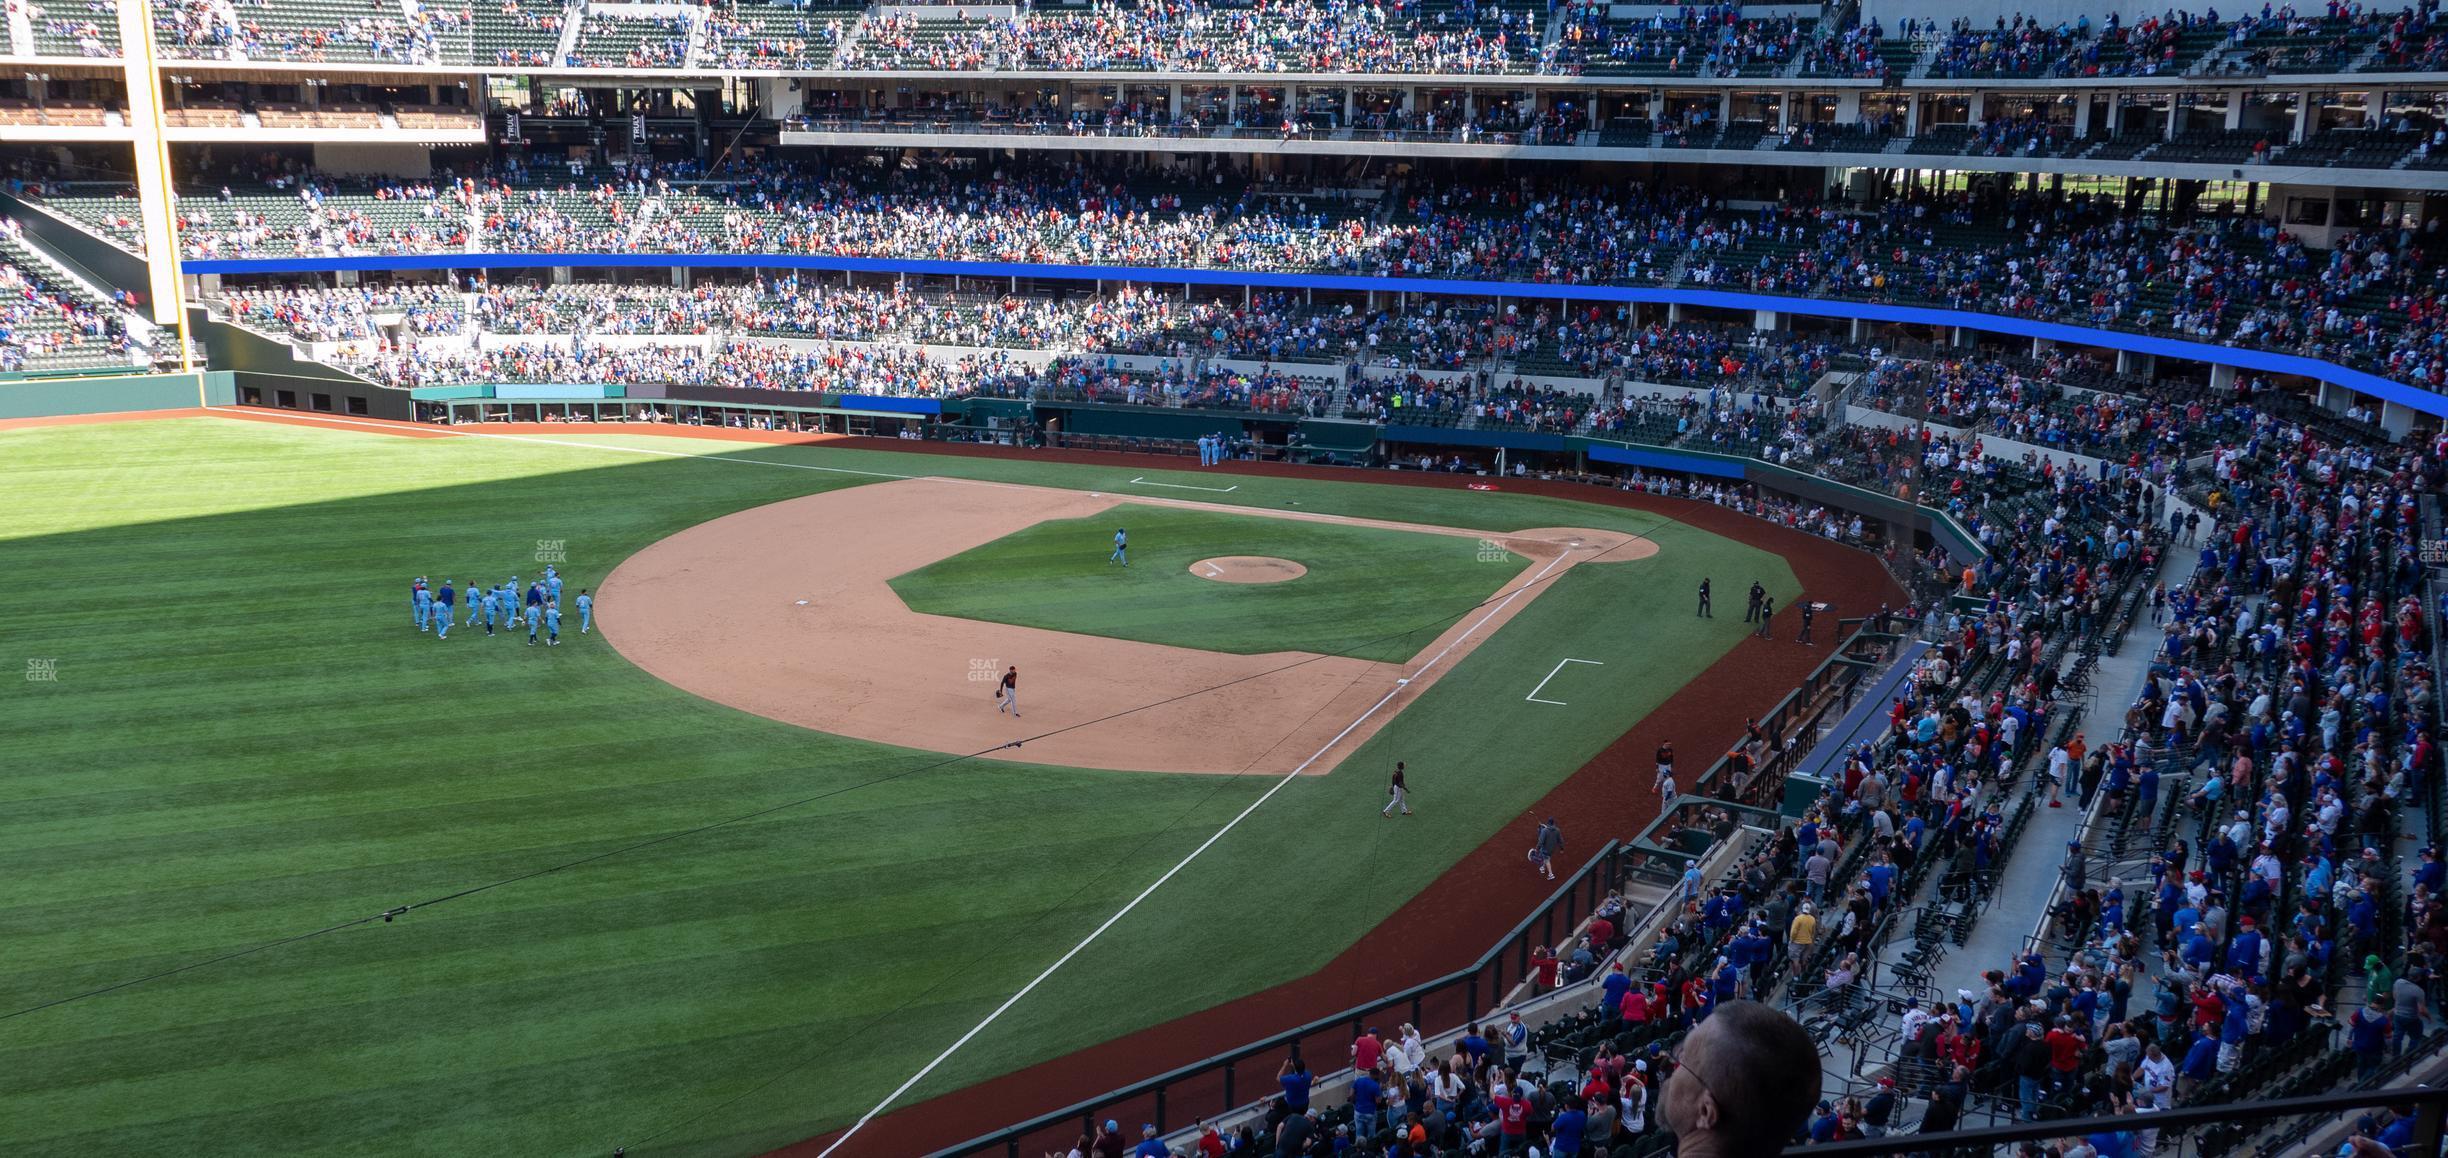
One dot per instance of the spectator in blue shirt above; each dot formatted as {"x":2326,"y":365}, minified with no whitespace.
{"x":2200,"y":1060}
{"x":1295,"y":1079}
{"x":1367,"y":1097}
{"x":2367,"y":1034}
{"x":1569,"y":1127}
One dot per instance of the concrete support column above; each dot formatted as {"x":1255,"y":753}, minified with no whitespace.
{"x":2176,"y":113}
{"x":2235,"y":110}
{"x":1725,"y":107}
{"x":2082,"y":116}
{"x":1351,"y":106}
{"x":1674,"y":312}
{"x":2396,"y":419}
{"x":1848,"y":107}
{"x":1854,"y":328}
{"x":1912,"y":114}
{"x":561,"y":275}
{"x":1232,"y":104}
{"x":1173,"y":103}
{"x":2303,"y":116}
{"x":2222,"y":378}
{"x":1785,"y":112}
{"x":1766,"y":321}
{"x":1976,"y":105}
{"x":1291,"y":102}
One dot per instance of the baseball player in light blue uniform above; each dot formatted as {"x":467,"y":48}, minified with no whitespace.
{"x":420,"y":599}
{"x":1121,"y":547}
{"x":552,"y":624}
{"x":552,"y":586}
{"x":443,"y":610}
{"x":492,"y":610}
{"x":586,"y":611}
{"x":534,"y":620}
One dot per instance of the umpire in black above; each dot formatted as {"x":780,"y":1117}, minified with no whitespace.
{"x":1704,"y":600}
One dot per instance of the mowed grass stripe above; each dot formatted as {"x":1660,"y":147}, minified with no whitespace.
{"x":139,"y":920}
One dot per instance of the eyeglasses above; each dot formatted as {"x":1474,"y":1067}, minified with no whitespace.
{"x":1675,"y":1055}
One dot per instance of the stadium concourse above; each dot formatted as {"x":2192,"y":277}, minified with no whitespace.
{"x":2086,"y":362}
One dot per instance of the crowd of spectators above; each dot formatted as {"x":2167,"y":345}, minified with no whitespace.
{"x":40,"y":325}
{"x":850,"y":369}
{"x":356,"y":314}
{"x":2372,"y":299}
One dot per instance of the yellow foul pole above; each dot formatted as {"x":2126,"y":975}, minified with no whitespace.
{"x":153,"y":175}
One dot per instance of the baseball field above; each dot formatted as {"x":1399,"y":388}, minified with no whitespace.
{"x":723,"y":874}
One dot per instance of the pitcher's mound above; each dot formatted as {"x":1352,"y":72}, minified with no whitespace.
{"x":1248,"y":569}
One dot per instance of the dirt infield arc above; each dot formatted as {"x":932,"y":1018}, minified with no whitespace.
{"x":807,"y":631}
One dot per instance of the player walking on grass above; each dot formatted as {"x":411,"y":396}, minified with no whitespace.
{"x":1704,"y":601}
{"x":492,"y":610}
{"x":552,"y":623}
{"x":1399,"y":794}
{"x":443,"y":610}
{"x":1007,"y":693}
{"x":420,"y":598}
{"x":535,"y":621}
{"x":586,"y":611}
{"x":1121,"y":547}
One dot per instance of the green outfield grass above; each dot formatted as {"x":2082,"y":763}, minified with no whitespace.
{"x":1363,"y":595}
{"x":246,"y":740}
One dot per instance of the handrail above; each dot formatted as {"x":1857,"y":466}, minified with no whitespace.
{"x":1600,"y":873}
{"x":2429,"y":1102}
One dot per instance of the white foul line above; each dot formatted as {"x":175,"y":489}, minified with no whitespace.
{"x":1533,"y":697}
{"x":1212,"y":570}
{"x":1186,"y":487}
{"x":1144,"y":894}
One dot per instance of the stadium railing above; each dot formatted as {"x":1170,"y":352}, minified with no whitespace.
{"x":2428,"y":1104}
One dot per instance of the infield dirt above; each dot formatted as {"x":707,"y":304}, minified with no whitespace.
{"x":786,"y":611}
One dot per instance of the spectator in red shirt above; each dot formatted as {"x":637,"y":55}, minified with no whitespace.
{"x":2065,"y":1054}
{"x":1366,"y":1050}
{"x":1512,"y":1120}
{"x":1543,"y":962}
{"x":1636,"y":1006}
